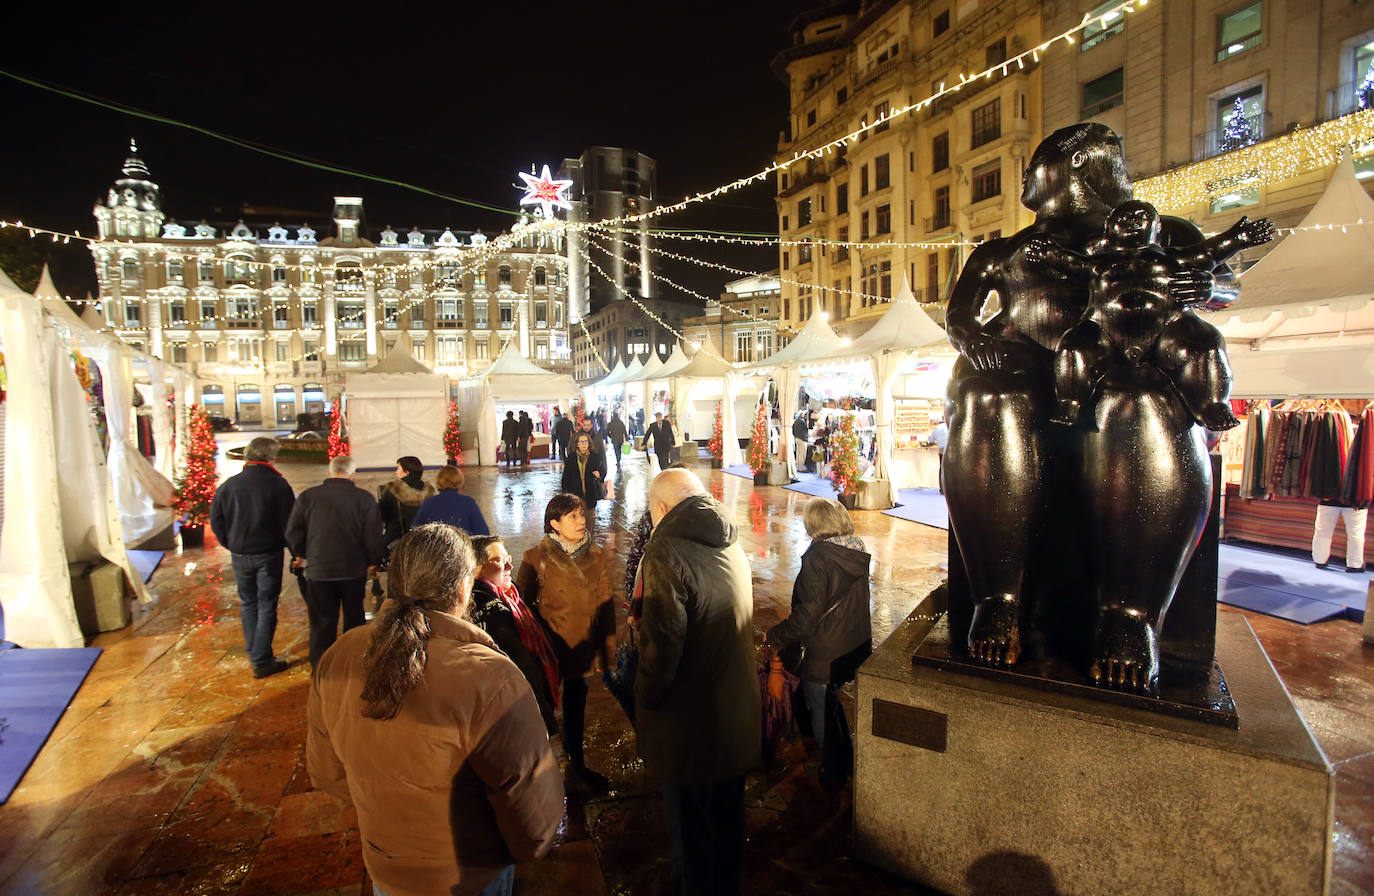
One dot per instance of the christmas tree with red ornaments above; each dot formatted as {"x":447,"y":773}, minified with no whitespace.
{"x":338,"y":442}
{"x":759,"y":458}
{"x":453,"y":444}
{"x":844,"y":457}
{"x":196,"y":487}
{"x":716,"y":446}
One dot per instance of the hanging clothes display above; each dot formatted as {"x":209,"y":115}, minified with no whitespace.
{"x":1303,"y":460}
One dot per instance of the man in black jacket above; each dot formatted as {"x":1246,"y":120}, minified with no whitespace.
{"x":248,"y":515}
{"x":526,"y":434}
{"x":616,"y":431}
{"x":696,"y":691}
{"x":562,"y":432}
{"x":510,"y":434}
{"x":662,"y":435}
{"x":336,"y":531}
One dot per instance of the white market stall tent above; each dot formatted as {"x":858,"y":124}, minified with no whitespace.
{"x":1304,"y":322}
{"x":903,"y":332}
{"x":815,"y":342}
{"x":397,"y":407}
{"x":61,"y":501}
{"x":511,"y":378}
{"x":696,"y":388}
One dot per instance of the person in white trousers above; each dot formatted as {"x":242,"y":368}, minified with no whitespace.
{"x":1355,"y":518}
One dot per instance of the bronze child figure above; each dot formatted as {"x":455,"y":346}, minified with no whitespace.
{"x":1132,"y":315}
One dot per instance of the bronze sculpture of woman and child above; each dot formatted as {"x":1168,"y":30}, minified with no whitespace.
{"x":1076,"y":473}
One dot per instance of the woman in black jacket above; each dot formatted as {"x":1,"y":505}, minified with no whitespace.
{"x":830,"y":626}
{"x":498,"y":610}
{"x":584,"y":474}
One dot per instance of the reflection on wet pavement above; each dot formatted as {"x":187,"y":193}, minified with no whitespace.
{"x":175,"y":771}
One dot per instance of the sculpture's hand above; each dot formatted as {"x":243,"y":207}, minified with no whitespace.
{"x":1253,"y":233}
{"x":985,"y":352}
{"x":1037,"y":249}
{"x":1191,"y":286}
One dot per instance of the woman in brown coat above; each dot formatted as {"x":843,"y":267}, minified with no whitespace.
{"x":565,"y":580}
{"x":426,"y":728}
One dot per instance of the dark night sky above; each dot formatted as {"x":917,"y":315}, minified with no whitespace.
{"x":455,"y":97}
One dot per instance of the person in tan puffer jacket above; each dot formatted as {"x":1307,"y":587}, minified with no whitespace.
{"x":565,"y":580}
{"x":433,"y":734}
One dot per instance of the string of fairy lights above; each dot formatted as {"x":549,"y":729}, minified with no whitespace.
{"x":693,"y":293}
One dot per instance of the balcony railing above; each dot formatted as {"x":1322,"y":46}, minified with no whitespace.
{"x":441,"y":324}
{"x":355,"y":323}
{"x":1347,"y":98}
{"x":938,"y":222}
{"x":1214,"y":143}
{"x":281,"y":324}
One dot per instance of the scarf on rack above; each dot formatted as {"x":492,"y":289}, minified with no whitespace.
{"x":532,"y":636}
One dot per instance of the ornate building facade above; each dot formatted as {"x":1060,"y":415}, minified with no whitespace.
{"x":743,"y":323}
{"x":270,"y":318}
{"x":946,"y":176}
{"x":1191,"y":84}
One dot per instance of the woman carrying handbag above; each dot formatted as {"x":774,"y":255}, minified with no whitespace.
{"x":828,"y":634}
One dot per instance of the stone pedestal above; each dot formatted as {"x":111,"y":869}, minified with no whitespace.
{"x":99,"y":597}
{"x":873,"y":495}
{"x":777,"y":474}
{"x":976,"y":786}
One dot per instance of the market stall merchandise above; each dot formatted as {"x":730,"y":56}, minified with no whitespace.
{"x":815,"y":342}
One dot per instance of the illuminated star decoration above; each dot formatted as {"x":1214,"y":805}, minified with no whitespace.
{"x":545,"y":191}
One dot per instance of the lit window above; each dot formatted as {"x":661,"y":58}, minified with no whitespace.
{"x":1239,"y":31}
{"x":1103,"y":22}
{"x":987,"y":181}
{"x":1101,"y":94}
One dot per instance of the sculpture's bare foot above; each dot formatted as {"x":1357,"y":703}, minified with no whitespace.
{"x":1126,"y":653}
{"x":994,"y":637}
{"x":1217,"y":417}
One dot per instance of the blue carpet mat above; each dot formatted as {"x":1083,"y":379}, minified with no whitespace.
{"x":35,"y":688}
{"x":1289,"y":587}
{"x":146,"y":562}
{"x":811,"y":484}
{"x":921,"y":505}
{"x":740,"y":470}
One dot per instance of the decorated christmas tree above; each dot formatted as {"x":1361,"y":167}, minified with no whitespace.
{"x":717,"y":444}
{"x":453,"y":445}
{"x":844,"y":457}
{"x":1238,"y":131}
{"x":338,"y":442}
{"x":1365,"y":92}
{"x":759,"y":457}
{"x":196,"y":487}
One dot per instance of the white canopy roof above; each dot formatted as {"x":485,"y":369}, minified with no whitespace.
{"x":616,"y":375}
{"x":56,"y":305}
{"x":1304,"y":322}
{"x":676,"y":361}
{"x":651,"y":367}
{"x":903,"y":327}
{"x":399,"y":360}
{"x":816,"y":340}
{"x":707,"y":362}
{"x":513,"y":377}
{"x":632,"y":370}
{"x":1317,"y":281}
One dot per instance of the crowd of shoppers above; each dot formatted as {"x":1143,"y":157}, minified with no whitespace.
{"x":434,"y":721}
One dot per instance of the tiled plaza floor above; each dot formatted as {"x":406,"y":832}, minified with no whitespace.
{"x":175,"y":771}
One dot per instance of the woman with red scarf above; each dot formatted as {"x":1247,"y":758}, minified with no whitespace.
{"x":498,"y":610}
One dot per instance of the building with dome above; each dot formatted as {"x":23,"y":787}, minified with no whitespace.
{"x":270,"y":316}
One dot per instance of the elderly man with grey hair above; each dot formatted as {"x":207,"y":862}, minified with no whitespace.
{"x":249,"y":516}
{"x":696,"y":691}
{"x":336,"y":533}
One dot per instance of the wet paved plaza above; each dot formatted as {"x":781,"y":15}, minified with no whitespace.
{"x":175,"y":771}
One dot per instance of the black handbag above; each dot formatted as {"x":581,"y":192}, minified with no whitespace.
{"x":793,"y":656}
